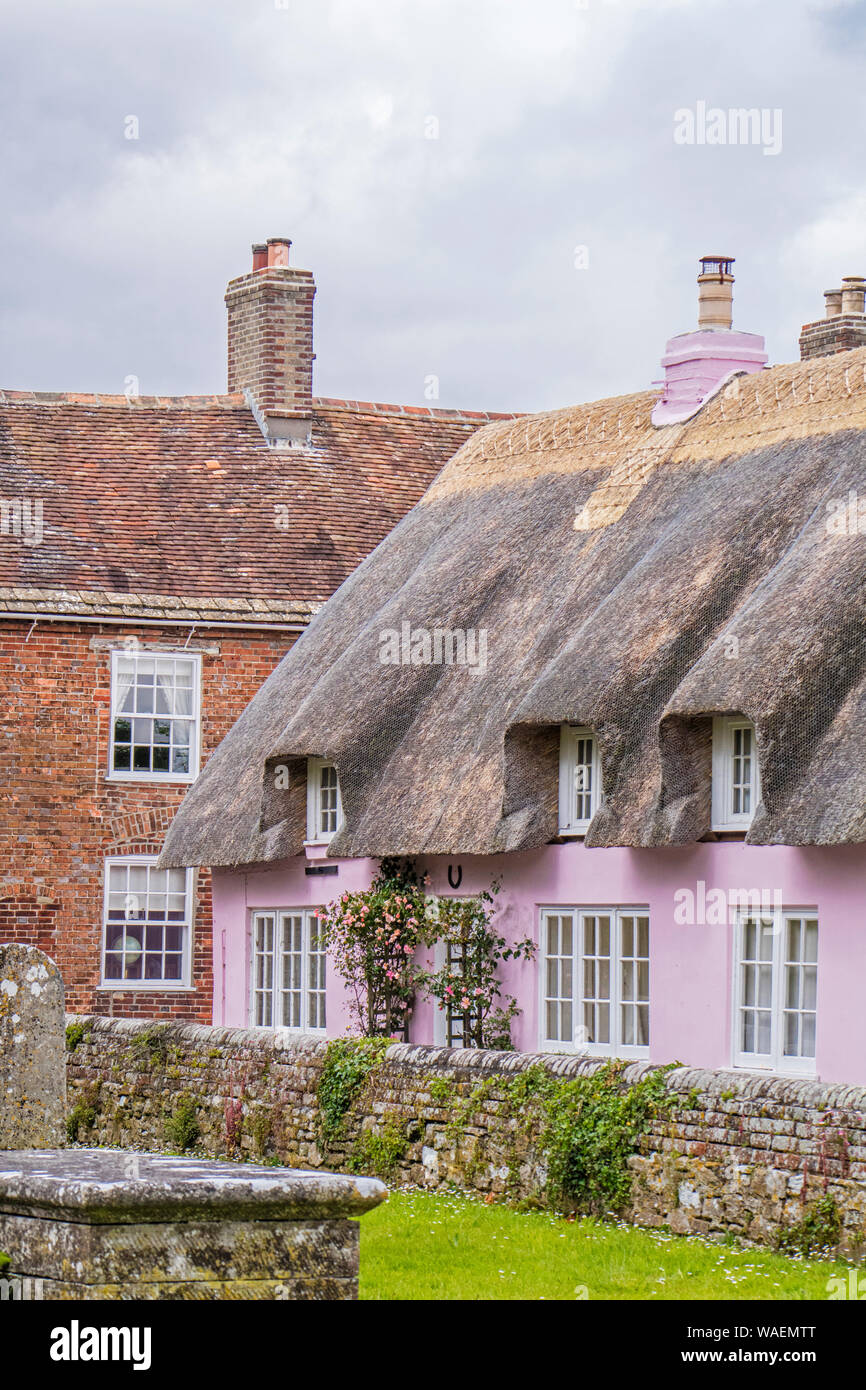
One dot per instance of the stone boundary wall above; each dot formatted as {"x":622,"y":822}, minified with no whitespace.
{"x":737,"y":1153}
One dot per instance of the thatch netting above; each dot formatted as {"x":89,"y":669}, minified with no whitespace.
{"x":633,"y":579}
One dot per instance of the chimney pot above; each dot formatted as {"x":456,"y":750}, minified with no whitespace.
{"x":836,"y":332}
{"x":715,"y":292}
{"x":832,"y":303}
{"x":260,"y":255}
{"x":853,"y":294}
{"x":278,"y":250}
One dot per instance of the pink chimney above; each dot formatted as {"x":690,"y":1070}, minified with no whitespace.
{"x":697,"y":364}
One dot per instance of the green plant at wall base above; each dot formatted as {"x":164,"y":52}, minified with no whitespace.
{"x":81,"y":1116}
{"x":819,"y":1229}
{"x":378,"y":1152}
{"x":182,"y":1129}
{"x":467,"y":988}
{"x":372,"y":938}
{"x":5,"y":1261}
{"x":348,"y":1064}
{"x":262,"y":1129}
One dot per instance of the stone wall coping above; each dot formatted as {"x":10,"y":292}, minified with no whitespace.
{"x":99,"y":1186}
{"x":752,"y":1087}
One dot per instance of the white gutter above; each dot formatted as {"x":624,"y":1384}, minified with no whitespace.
{"x":130,"y":621}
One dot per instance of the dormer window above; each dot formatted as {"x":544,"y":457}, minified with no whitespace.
{"x":579,"y":779}
{"x":324,"y":807}
{"x":736,"y":780}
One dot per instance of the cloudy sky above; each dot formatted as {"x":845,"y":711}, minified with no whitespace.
{"x":487,"y":191}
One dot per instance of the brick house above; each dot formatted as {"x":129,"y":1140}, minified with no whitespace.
{"x":158,"y":556}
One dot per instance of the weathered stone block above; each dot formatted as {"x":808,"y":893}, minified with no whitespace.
{"x":32,"y":1050}
{"x":96,"y":1224}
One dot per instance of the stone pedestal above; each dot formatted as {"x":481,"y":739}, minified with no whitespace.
{"x":100,"y":1224}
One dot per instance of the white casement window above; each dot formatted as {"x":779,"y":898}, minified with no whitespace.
{"x":595,"y":980}
{"x":579,"y":779}
{"x":155,"y":717}
{"x":288,"y":971}
{"x":324,"y":806}
{"x":147,"y":925}
{"x":776,"y":991}
{"x":736,"y":780}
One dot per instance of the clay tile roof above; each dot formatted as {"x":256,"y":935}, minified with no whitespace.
{"x":181,"y":496}
{"x":633,"y":579}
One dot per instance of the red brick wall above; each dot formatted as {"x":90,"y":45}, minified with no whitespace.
{"x":61,"y":818}
{"x":827,"y":336}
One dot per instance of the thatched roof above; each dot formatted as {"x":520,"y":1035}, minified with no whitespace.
{"x":612,"y":566}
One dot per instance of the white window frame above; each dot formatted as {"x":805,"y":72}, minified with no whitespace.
{"x":131,"y":775}
{"x":147,"y":861}
{"x":441,"y":1021}
{"x":723,"y":815}
{"x":282,"y":919}
{"x":775,"y":1060}
{"x":569,"y":822}
{"x":614,"y":1048}
{"x":316,"y":836}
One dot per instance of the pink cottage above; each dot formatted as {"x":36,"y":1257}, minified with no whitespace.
{"x":616,"y":658}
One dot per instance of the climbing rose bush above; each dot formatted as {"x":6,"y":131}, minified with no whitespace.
{"x":468,"y":984}
{"x":372,"y":938}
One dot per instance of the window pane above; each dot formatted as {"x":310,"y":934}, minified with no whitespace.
{"x":553,"y":935}
{"x":628,"y":936}
{"x":801,"y":986}
{"x":567,"y":935}
{"x":765,"y":986}
{"x":807,"y":1038}
{"x":604,"y":936}
{"x":558,"y":977}
{"x":552,"y":1020}
{"x":764,"y":1035}
{"x":643,"y":936}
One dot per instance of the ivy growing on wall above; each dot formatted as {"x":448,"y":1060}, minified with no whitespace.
{"x":582,"y":1131}
{"x":348,"y":1064}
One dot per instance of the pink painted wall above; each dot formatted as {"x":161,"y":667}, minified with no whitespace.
{"x":691,"y":969}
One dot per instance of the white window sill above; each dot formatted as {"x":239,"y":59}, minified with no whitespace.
{"x":148,"y":986}
{"x":317,"y":849}
{"x":179,"y":778}
{"x":292,"y":1032}
{"x":627,"y":1054}
{"x":741,"y":825}
{"x":755,"y":1067}
{"x":573,"y":832}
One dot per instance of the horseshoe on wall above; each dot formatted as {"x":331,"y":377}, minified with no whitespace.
{"x":459,"y":875}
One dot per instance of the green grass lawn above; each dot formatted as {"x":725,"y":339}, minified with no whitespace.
{"x":421,"y":1245}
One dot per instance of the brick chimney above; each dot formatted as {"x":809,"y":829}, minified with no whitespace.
{"x":270,"y":343}
{"x":844,"y":323}
{"x":697,"y":364}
